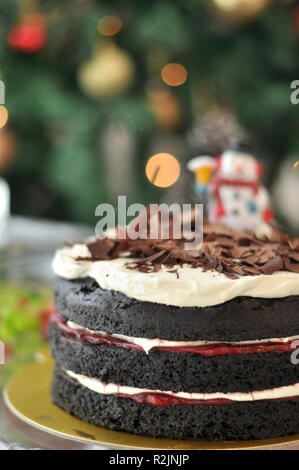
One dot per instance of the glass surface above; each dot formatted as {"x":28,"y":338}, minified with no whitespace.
{"x":27,"y":260}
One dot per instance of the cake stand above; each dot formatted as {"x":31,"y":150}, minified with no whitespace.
{"x":27,"y":396}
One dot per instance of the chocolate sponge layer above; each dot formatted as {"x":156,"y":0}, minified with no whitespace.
{"x":163,"y":370}
{"x":240,"y":319}
{"x":247,"y":420}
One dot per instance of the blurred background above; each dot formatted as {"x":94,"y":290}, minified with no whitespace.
{"x":94,"y":88}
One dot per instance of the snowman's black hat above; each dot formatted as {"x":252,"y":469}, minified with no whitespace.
{"x":240,"y":145}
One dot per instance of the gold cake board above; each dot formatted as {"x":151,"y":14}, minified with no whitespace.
{"x":27,"y":395}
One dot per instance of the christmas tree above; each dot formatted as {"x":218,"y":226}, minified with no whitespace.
{"x":90,"y":94}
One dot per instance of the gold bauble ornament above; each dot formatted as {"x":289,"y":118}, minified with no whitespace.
{"x":108,"y":73}
{"x":240,"y":10}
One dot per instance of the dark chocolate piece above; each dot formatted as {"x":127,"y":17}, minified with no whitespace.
{"x":241,"y":319}
{"x":227,"y":251}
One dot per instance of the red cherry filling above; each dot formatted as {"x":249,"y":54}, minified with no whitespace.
{"x":205,"y":350}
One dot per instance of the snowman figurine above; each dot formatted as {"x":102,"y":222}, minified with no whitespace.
{"x":235,"y":195}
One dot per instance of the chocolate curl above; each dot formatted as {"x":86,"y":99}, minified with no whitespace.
{"x":233,"y":253}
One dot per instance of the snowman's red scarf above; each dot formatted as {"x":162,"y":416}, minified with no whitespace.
{"x":218,"y":182}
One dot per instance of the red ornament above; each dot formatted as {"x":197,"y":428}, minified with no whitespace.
{"x":29,"y":36}
{"x":295,"y":14}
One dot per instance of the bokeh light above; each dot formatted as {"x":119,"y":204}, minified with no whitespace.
{"x":163,"y":170}
{"x":227,"y":4}
{"x":174,"y":74}
{"x":240,"y":9}
{"x":109,"y":25}
{"x":3,"y":116}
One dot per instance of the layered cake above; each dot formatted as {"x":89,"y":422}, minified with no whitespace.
{"x":159,"y":341}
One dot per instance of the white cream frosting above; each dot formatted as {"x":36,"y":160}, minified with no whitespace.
{"x":192,"y":287}
{"x":147,"y":344}
{"x":98,"y":386}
